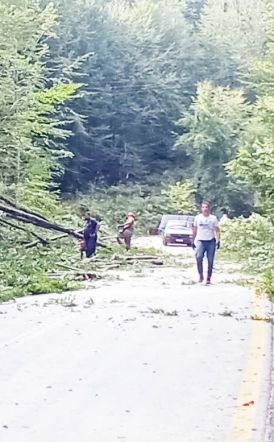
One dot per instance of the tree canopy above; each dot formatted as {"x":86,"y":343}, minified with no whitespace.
{"x":99,"y":92}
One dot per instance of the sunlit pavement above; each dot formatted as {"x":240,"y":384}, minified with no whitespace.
{"x":154,"y":359}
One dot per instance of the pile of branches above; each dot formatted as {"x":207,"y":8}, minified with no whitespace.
{"x":103,"y":265}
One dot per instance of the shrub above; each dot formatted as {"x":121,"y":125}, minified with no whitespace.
{"x":251,"y":240}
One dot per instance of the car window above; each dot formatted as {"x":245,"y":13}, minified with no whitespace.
{"x":182,"y":225}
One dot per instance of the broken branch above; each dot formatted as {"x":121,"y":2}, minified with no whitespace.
{"x":14,"y":226}
{"x":38,"y":221}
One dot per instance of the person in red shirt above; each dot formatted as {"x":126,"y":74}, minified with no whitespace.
{"x":126,"y":230}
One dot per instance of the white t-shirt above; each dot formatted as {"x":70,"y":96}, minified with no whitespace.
{"x":206,"y":226}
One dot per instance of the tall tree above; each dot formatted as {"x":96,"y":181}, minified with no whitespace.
{"x":237,"y":28}
{"x":214,"y":123}
{"x":140,"y":62}
{"x":28,"y":121}
{"x":255,"y":161}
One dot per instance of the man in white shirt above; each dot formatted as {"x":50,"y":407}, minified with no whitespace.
{"x":206,"y":238}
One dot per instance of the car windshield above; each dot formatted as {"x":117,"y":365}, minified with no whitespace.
{"x":181,"y":225}
{"x":181,"y":220}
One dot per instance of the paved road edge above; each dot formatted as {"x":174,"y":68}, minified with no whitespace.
{"x":252,"y":400}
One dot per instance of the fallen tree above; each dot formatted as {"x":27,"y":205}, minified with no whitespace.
{"x":31,"y":218}
{"x":11,"y":203}
{"x":23,"y":215}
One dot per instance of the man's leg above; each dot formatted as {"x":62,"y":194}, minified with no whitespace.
{"x":210,"y":253}
{"x":94,"y":244}
{"x":120,"y":238}
{"x":128,"y":237}
{"x":200,"y":252}
{"x":90,"y":246}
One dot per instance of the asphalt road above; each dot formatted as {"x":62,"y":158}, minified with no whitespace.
{"x":150,"y":358}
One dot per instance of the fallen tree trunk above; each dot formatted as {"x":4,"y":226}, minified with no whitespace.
{"x":55,"y":238}
{"x":11,"y":203}
{"x":30,"y":218}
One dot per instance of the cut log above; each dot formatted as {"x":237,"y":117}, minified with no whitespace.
{"x":135,"y":258}
{"x":158,"y":262}
{"x":85,"y":274}
{"x":65,"y":266}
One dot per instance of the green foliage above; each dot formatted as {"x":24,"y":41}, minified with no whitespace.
{"x":113,"y":203}
{"x":237,"y":29}
{"x":123,"y":124}
{"x":214,"y":123}
{"x":180,"y":197}
{"x":36,"y":285}
{"x":25,"y":272}
{"x":251,"y":241}
{"x":29,"y":125}
{"x":23,"y":29}
{"x":267,"y":283}
{"x":254,"y":163}
{"x":140,"y":62}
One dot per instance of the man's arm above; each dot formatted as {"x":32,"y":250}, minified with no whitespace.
{"x":194,"y":232}
{"x":218,"y":236}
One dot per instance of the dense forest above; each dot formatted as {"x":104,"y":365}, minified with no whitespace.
{"x":106,"y":104}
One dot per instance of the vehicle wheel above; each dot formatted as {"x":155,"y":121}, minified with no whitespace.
{"x":164,"y":242}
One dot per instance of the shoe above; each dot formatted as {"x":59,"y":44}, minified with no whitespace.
{"x":201,"y":280}
{"x":208,"y":282}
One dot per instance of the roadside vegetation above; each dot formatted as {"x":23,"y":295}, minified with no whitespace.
{"x":144,"y":105}
{"x":250,"y":243}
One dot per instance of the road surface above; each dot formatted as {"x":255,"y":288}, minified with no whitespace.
{"x":150,"y":357}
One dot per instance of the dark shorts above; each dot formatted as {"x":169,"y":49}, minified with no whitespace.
{"x":126,"y":235}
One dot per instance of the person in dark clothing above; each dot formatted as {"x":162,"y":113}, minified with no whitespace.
{"x":90,"y":235}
